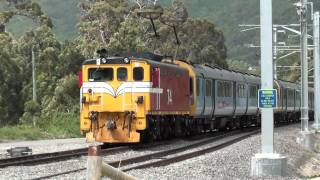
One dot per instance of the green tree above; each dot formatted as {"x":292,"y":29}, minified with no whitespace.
{"x":100,"y":20}
{"x":10,"y":78}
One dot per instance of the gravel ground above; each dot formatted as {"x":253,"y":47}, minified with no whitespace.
{"x":232,"y":162}
{"x":27,"y":172}
{"x":44,"y":146}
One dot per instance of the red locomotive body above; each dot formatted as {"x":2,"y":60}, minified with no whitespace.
{"x":172,"y":84}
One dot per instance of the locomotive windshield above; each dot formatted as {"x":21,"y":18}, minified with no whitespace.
{"x":122,"y":74}
{"x":100,"y":74}
{"x":138,"y":73}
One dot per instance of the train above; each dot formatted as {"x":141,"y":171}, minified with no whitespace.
{"x":143,"y":97}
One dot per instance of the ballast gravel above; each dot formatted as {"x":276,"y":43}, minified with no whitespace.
{"x":232,"y":162}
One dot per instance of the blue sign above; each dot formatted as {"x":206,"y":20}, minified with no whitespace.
{"x":267,"y":98}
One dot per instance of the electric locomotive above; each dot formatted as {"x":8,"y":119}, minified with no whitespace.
{"x":124,"y":99}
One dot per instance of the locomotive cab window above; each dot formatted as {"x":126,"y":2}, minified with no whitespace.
{"x":100,"y":74}
{"x":122,"y":74}
{"x":138,"y":73}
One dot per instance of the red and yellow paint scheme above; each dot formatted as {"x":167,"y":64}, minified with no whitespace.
{"x":119,"y":94}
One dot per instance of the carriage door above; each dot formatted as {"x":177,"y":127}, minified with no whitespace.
{"x":208,"y":98}
{"x":200,"y":95}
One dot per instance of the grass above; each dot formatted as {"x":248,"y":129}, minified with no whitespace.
{"x":61,"y":125}
{"x":20,"y":132}
{"x":56,"y":126}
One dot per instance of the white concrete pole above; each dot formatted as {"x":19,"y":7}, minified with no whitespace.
{"x":304,"y":68}
{"x":266,"y":73}
{"x":267,"y":163}
{"x":316,"y":42}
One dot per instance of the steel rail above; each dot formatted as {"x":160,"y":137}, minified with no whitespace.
{"x":170,"y":160}
{"x":161,"y":154}
{"x":53,"y":157}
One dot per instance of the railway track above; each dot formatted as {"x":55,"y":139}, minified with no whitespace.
{"x":167,"y":157}
{"x":53,"y":157}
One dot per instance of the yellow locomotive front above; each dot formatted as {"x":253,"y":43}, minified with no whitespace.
{"x":114,"y":99}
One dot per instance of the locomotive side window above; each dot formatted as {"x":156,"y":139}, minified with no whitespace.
{"x":208,"y":87}
{"x":138,"y":73}
{"x":122,"y":74}
{"x":100,"y":74}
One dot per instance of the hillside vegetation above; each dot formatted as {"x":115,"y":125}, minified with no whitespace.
{"x":226,"y":15}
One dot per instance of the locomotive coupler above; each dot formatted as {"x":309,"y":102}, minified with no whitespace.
{"x":93,"y":115}
{"x":111,"y":125}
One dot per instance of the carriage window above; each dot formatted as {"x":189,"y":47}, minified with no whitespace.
{"x":122,"y":74}
{"x":220,"y":89}
{"x":208,"y":87}
{"x":100,"y":74}
{"x":241,"y":90}
{"x":138,"y":73}
{"x":224,"y":89}
{"x":253,"y":92}
{"x":228,"y":89}
{"x":298,"y":96}
{"x":290,"y":98}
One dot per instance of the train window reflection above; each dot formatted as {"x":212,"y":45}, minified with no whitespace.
{"x":100,"y":74}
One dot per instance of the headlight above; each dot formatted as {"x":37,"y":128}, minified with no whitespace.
{"x":126,"y":60}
